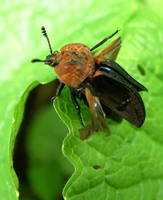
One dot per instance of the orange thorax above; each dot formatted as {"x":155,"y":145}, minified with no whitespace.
{"x":76,"y":63}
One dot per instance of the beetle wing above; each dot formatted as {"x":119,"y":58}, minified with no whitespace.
{"x":113,"y":75}
{"x":108,"y":112}
{"x":109,"y":52}
{"x":110,"y":64}
{"x":121,"y":98}
{"x":111,"y":114}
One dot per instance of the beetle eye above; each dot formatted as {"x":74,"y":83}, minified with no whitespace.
{"x":50,"y":57}
{"x":51,"y":60}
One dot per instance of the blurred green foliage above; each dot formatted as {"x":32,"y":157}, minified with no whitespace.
{"x":130,"y":159}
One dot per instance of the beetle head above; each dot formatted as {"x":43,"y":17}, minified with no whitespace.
{"x":51,"y":59}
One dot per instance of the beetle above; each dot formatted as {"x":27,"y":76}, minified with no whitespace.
{"x":108,"y":90}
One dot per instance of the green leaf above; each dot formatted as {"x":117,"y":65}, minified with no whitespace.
{"x":126,"y":165}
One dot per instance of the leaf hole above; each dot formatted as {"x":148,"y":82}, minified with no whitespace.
{"x":38,"y":162}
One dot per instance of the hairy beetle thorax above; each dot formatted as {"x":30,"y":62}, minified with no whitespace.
{"x":76,"y":63}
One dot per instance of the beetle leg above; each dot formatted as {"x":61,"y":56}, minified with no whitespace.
{"x":58,"y":88}
{"x":104,"y":40}
{"x":77,"y":106}
{"x":97,"y":115}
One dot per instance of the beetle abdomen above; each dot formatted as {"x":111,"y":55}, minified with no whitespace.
{"x":76,"y":63}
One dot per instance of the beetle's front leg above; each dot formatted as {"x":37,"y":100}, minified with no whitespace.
{"x":58,"y":88}
{"x":77,"y":106}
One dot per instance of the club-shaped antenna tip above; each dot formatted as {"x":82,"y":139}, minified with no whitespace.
{"x":35,"y":60}
{"x":46,"y":35}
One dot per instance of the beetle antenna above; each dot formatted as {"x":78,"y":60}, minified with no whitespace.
{"x":37,"y":60}
{"x":104,"y":40}
{"x":46,"y":35}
